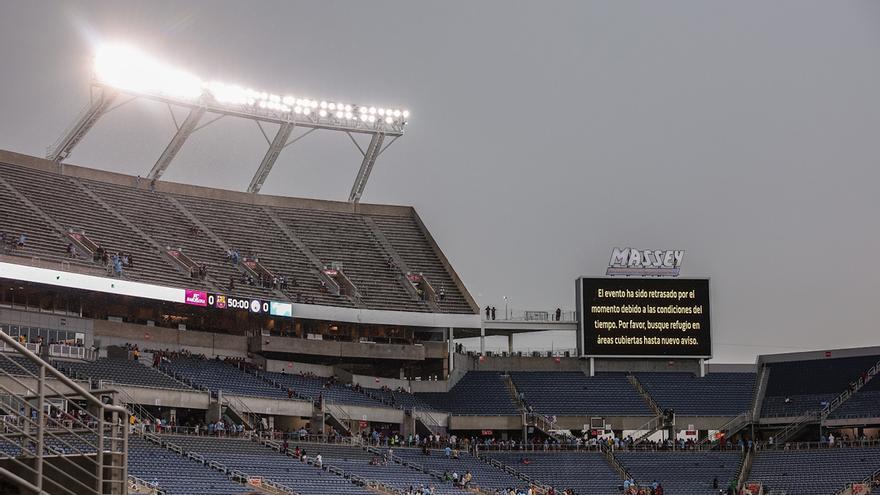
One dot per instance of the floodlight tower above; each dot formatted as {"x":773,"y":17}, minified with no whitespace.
{"x":123,"y":70}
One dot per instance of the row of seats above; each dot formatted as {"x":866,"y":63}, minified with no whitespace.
{"x":122,"y":371}
{"x":477,"y":393}
{"x":813,"y":471}
{"x":484,"y":475}
{"x":583,"y":472}
{"x":174,"y":474}
{"x":683,"y":473}
{"x":145,"y":223}
{"x":807,"y":384}
{"x":574,"y":393}
{"x":314,"y":387}
{"x":257,"y":460}
{"x":716,"y":394}
{"x":216,"y":375}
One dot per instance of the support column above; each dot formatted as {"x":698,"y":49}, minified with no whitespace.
{"x":702,"y":368}
{"x":451,"y":340}
{"x":360,"y":182}
{"x":483,"y":338}
{"x":510,"y":344}
{"x":592,"y":366}
{"x":271,"y":156}
{"x":183,"y":132}
{"x":99,"y":106}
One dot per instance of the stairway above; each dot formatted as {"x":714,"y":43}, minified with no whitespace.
{"x":532,"y":419}
{"x":821,"y":415}
{"x":656,"y":423}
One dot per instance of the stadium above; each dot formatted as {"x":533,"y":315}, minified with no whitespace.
{"x":165,"y":337}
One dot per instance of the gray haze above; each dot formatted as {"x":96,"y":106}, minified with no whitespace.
{"x":542,"y":135}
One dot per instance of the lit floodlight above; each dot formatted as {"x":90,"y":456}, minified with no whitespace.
{"x":120,"y":68}
{"x":127,"y":68}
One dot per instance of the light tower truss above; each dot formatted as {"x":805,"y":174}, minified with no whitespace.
{"x":121,"y":70}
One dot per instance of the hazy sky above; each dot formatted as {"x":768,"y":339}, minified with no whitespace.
{"x":542,"y":135}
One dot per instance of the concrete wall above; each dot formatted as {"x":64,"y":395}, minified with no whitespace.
{"x":274,"y":407}
{"x":332,"y":348}
{"x":378,"y":382}
{"x":485,"y":423}
{"x":146,"y":337}
{"x":380,"y":414}
{"x":294,"y":367}
{"x":185,"y":399}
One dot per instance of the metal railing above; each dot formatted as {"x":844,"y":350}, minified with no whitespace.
{"x":74,"y":448}
{"x":252,"y":420}
{"x":653,"y":425}
{"x":730,"y":428}
{"x":34,"y":348}
{"x":72,"y":352}
{"x":532,"y":315}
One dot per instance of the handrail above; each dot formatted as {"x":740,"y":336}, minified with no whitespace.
{"x":732,"y":425}
{"x":97,"y":425}
{"x":652,"y":426}
{"x":61,"y":377}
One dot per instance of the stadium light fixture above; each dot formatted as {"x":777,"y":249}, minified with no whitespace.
{"x":130,"y":70}
{"x":120,"y":68}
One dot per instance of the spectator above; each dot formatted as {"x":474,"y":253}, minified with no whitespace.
{"x":558,"y":314}
{"x":22,"y":241}
{"x":488,"y":312}
{"x":493,"y":312}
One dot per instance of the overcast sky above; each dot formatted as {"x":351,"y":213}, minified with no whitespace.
{"x":542,"y":135}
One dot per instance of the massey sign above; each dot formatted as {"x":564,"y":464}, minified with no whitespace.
{"x":645,"y":262}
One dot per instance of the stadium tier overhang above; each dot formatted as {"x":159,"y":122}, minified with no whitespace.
{"x":73,"y":280}
{"x":507,"y":328}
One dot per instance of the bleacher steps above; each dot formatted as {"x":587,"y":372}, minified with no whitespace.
{"x":211,"y":235}
{"x":329,"y":282}
{"x":637,"y":385}
{"x":157,"y":248}
{"x":59,"y":230}
{"x":401,"y":265}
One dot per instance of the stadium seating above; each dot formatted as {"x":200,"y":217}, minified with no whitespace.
{"x":312,"y":387}
{"x":257,"y":460}
{"x":863,"y":404}
{"x":683,"y":473}
{"x":265,"y":239}
{"x":174,"y":474}
{"x":415,"y":248}
{"x":716,"y":394}
{"x":813,"y":471}
{"x":809,"y":383}
{"x":574,"y":393}
{"x":153,"y":213}
{"x":17,"y":366}
{"x":42,"y":240}
{"x":479,"y":393}
{"x":584,"y":472}
{"x":70,"y":207}
{"x":145,"y":223}
{"x":357,"y":461}
{"x":345,"y":238}
{"x":399,"y":399}
{"x":484,"y":475}
{"x":214,"y":375}
{"x":121,"y":371}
